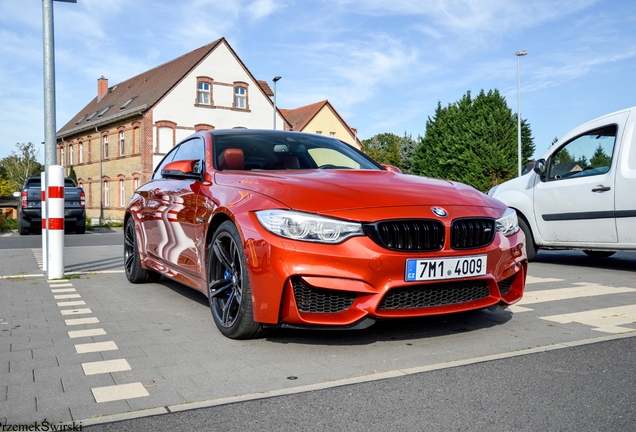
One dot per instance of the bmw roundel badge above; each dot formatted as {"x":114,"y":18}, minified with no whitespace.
{"x":439,"y":212}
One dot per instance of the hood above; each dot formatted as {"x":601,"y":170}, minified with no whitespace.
{"x":320,"y":191}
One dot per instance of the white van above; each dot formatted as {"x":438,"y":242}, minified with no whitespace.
{"x":582,"y":193}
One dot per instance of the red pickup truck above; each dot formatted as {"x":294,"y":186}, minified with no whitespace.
{"x":30,"y":211}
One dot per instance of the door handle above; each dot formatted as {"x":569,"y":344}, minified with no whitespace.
{"x":601,"y":188}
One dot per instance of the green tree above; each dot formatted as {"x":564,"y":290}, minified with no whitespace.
{"x":384,"y":148}
{"x":474,"y":141}
{"x":407,"y":149}
{"x":600,"y":159}
{"x":72,"y":174}
{"x":20,"y":165}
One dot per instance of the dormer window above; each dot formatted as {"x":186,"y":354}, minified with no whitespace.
{"x":90,"y":116}
{"x":80,"y":120}
{"x":102,"y":112}
{"x":127,"y":102}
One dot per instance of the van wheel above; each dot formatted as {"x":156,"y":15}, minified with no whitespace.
{"x":22,"y":230}
{"x":599,"y":254}
{"x":531,"y":247}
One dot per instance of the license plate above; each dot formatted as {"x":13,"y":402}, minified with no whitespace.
{"x":445,"y":268}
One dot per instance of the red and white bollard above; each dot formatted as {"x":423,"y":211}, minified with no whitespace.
{"x":45,"y":252}
{"x":55,"y":222}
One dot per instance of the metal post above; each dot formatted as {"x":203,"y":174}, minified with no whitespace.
{"x":45,"y":249}
{"x":55,"y":221}
{"x":519,"y":54}
{"x":275,"y":81}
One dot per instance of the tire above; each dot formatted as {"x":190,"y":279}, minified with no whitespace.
{"x":229,"y":291}
{"x":531,"y":247}
{"x":132,"y":263}
{"x":22,"y":230}
{"x":599,"y":254}
{"x":80,"y":229}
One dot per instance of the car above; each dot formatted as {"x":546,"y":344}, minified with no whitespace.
{"x":580,"y":194}
{"x":283,"y":229}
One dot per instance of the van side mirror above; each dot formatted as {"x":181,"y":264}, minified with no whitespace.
{"x":539,"y":168}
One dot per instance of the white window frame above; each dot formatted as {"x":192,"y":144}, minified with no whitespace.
{"x":62,"y":161}
{"x":240,"y":97}
{"x":136,"y":183}
{"x":70,"y":154}
{"x":80,"y":153}
{"x":332,"y":134}
{"x":122,"y":193}
{"x":106,"y":194}
{"x":203,"y":93}
{"x":122,"y":143}
{"x":105,"y":149}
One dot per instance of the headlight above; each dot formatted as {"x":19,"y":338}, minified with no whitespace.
{"x":307,"y":227}
{"x":508,"y":224}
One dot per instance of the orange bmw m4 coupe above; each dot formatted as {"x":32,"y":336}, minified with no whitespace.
{"x":295,"y":230}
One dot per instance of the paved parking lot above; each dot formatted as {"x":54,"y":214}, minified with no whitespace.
{"x":93,"y":346}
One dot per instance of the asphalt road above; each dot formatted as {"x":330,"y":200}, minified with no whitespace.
{"x":562,"y":359}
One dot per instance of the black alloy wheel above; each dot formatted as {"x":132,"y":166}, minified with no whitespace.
{"x":132,"y":263}
{"x":229,"y":285}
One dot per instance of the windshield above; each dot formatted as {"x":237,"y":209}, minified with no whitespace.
{"x":286,"y":150}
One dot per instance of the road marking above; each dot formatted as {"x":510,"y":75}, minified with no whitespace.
{"x":71,"y":303}
{"x":119,"y":392}
{"x":81,"y":311}
{"x":6,"y":235}
{"x":96,"y":347}
{"x":80,"y":321}
{"x":66,"y":296}
{"x":533,"y":280}
{"x":61,"y":290}
{"x":584,"y":289}
{"x":608,"y":320}
{"x":59,"y":285}
{"x":106,"y":366}
{"x":86,"y":333}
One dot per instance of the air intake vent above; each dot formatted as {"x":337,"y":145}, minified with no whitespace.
{"x":410,"y":235}
{"x":472,"y":233}
{"x":439,"y":294}
{"x":317,"y":300}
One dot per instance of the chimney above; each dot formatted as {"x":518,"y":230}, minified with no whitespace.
{"x":102,"y":87}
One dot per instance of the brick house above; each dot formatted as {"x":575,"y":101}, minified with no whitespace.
{"x":114,"y":143}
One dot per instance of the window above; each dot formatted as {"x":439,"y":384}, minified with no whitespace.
{"x":127,"y":102}
{"x":240,"y":97}
{"x":332,"y":134}
{"x":102,"y":112}
{"x":203,"y":93}
{"x":136,"y":183}
{"x":191,"y":149}
{"x":80,"y":154}
{"x":122,"y":143}
{"x":105,"y":146}
{"x":106,"y":194}
{"x":70,"y":155}
{"x":318,"y":132}
{"x":586,"y":155}
{"x":62,"y":156}
{"x":122,"y":193}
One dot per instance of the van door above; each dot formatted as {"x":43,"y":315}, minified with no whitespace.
{"x":575,"y":203}
{"x":626,"y":186}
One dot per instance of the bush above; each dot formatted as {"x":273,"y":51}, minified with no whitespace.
{"x":7,"y":224}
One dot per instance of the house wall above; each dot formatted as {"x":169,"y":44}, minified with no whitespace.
{"x":326,"y":121}
{"x":180,"y":105}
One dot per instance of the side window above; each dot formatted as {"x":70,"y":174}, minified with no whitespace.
{"x":586,"y":155}
{"x":191,"y":149}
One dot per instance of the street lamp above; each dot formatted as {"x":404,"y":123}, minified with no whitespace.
{"x":519,"y":54}
{"x":275,"y":81}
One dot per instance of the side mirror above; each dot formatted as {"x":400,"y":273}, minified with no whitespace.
{"x":16,"y":194}
{"x":392,"y":169}
{"x":539,"y":168}
{"x":183,"y":169}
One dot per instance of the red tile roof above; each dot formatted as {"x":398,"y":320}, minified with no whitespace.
{"x":146,"y":88}
{"x":300,"y":117}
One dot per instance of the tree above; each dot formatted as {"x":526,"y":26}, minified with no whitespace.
{"x":72,"y":174}
{"x":384,"y":148}
{"x":407,"y":149}
{"x":473,"y":141}
{"x":20,"y":165}
{"x":600,"y":158}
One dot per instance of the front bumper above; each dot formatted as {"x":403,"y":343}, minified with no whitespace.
{"x":307,"y":284}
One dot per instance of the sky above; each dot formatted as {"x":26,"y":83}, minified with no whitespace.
{"x":384,"y":65}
